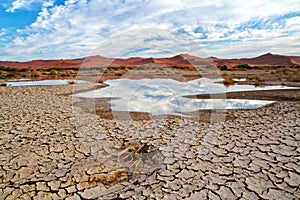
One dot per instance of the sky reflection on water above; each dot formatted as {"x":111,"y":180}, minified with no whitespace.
{"x":43,"y":82}
{"x":166,"y":96}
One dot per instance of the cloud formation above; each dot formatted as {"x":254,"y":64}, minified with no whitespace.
{"x":26,"y":4}
{"x":221,"y":28}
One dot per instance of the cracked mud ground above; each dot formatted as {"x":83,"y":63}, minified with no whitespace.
{"x":47,"y":153}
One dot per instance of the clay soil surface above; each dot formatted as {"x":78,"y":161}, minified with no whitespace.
{"x":54,"y":146}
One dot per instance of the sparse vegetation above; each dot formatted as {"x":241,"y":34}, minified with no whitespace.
{"x":35,"y":74}
{"x":259,"y":80}
{"x":53,"y":72}
{"x":8,"y":69}
{"x":228,"y":80}
{"x":179,"y":67}
{"x":22,"y":70}
{"x":119,"y":73}
{"x":294,"y":77}
{"x":142,"y":67}
{"x":132,"y":153}
{"x":243,"y":66}
{"x":224,"y":67}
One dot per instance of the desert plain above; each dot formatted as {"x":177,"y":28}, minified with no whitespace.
{"x":53,"y":148}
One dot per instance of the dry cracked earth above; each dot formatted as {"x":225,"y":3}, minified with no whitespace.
{"x":52,"y":150}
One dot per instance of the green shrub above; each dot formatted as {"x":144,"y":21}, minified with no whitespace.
{"x":224,"y":67}
{"x":243,"y":66}
{"x":178,"y":67}
{"x":140,"y":67}
{"x":8,"y":69}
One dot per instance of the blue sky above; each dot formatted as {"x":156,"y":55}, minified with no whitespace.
{"x":55,"y":29}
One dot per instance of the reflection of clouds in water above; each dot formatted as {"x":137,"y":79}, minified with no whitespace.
{"x":43,"y":82}
{"x":155,"y":87}
{"x":165,"y":96}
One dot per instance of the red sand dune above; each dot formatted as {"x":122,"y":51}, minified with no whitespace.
{"x":262,"y":60}
{"x":178,"y":60}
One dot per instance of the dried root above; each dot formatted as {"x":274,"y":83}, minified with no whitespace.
{"x":131,"y":156}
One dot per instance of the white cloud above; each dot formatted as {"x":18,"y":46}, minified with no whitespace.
{"x":3,"y":31}
{"x":26,"y":4}
{"x":248,"y":48}
{"x":78,"y":27}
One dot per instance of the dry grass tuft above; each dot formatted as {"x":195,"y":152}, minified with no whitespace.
{"x":294,"y":77}
{"x":53,"y":72}
{"x":259,"y":80}
{"x":228,"y":80}
{"x":131,"y":155}
{"x":35,"y":74}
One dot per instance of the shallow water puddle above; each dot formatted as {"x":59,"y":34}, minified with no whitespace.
{"x":43,"y":82}
{"x":166,"y":96}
